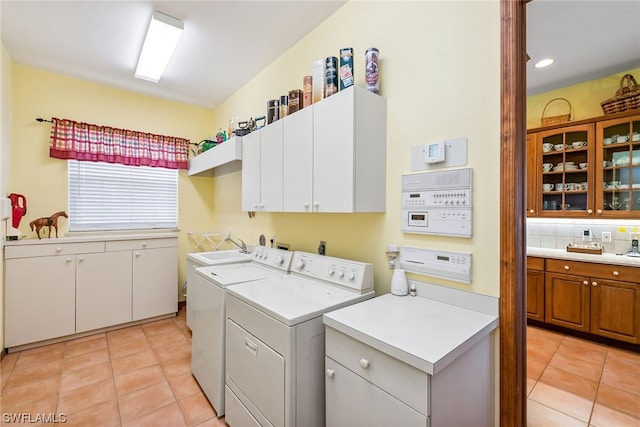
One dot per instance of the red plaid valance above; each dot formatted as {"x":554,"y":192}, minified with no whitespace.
{"x":84,"y":141}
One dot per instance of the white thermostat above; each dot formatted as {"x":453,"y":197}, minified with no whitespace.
{"x":434,"y":153}
{"x":437,"y":203}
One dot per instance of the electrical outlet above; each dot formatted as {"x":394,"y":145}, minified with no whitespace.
{"x":586,"y":235}
{"x":606,"y":237}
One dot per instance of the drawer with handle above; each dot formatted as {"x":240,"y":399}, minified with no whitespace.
{"x":595,"y":270}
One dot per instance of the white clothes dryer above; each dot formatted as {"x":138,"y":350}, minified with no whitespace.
{"x":206,"y":293}
{"x":275,"y":340}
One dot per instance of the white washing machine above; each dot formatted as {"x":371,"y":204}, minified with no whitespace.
{"x":201,"y":259}
{"x":206,"y":293}
{"x":275,"y":340}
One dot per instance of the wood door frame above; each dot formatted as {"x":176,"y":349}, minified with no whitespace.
{"x":513,"y":363}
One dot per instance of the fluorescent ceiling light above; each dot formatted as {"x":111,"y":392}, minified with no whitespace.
{"x":543,"y":63}
{"x":162,"y":38}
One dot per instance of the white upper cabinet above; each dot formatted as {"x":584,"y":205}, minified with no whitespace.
{"x":330,"y":157}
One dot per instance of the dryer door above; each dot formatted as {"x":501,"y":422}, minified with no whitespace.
{"x":257,"y":371}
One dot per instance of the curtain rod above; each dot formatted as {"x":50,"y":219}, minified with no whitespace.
{"x":40,"y":119}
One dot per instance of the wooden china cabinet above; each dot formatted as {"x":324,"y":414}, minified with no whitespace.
{"x":585,"y":169}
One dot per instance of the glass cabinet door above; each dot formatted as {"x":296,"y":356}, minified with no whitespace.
{"x":566,"y":175}
{"x":618,"y":183}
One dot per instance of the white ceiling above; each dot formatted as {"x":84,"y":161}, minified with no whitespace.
{"x":226,"y":43}
{"x":588,"y":39}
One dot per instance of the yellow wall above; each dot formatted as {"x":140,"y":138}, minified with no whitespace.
{"x":440,"y":80}
{"x":43,"y":180}
{"x":585,"y":99}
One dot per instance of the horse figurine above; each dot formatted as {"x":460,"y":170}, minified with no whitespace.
{"x":51,"y":221}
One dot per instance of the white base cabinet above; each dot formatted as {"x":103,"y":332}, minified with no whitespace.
{"x":73,"y":286}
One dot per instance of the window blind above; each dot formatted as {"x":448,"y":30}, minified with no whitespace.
{"x":109,"y":196}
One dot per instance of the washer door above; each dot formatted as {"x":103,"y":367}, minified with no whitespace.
{"x":257,"y":371}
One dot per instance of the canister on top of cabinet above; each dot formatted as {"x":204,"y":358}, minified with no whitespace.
{"x":346,"y":67}
{"x":371,"y":70}
{"x":318,"y":80}
{"x":307,"y":91}
{"x":331,"y":76}
{"x":284,"y":106}
{"x":295,"y":100}
{"x":273,"y":110}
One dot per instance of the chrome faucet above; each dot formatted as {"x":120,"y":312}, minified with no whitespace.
{"x":241,"y":245}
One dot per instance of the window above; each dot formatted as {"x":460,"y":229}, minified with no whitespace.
{"x":109,"y":196}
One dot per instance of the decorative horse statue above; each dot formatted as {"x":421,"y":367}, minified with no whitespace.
{"x":51,"y":221}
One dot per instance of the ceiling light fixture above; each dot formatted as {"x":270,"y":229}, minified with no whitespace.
{"x":543,"y":63}
{"x":162,"y":38}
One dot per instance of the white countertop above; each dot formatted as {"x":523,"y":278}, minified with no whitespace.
{"x":93,"y":237}
{"x":605,"y":258}
{"x":421,"y":332}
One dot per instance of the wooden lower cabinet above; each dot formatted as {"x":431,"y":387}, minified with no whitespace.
{"x":567,"y":301}
{"x":615,"y":310}
{"x":535,"y":288}
{"x":605,"y":307}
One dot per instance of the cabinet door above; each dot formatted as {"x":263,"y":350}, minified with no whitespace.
{"x":298,"y":161}
{"x":567,"y":187}
{"x":535,"y":295}
{"x":155,"y":282}
{"x":40,"y":299}
{"x":567,"y":301}
{"x":615,"y":310}
{"x":251,"y":172}
{"x":271,"y":158}
{"x":353,"y":401}
{"x":333,"y":154}
{"x":533,"y":175}
{"x":103,"y":290}
{"x":618,"y":155}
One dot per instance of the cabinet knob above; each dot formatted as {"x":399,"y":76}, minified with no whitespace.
{"x":144,"y":244}
{"x":58,"y":249}
{"x":316,"y":204}
{"x":599,"y":211}
{"x":566,"y":267}
{"x":590,"y":211}
{"x":306,"y":204}
{"x":330,"y":373}
{"x":137,"y":253}
{"x":81,"y":258}
{"x":256,"y":207}
{"x":586,"y":282}
{"x":616,"y":273}
{"x":594,"y":284}
{"x":364,"y":363}
{"x":69,"y":259}
{"x":531,"y":211}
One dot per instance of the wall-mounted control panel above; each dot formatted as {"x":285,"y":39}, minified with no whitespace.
{"x":444,"y":264}
{"x":437,"y":203}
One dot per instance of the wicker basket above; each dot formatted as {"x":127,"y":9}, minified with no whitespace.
{"x":627,"y":97}
{"x":554,"y":120}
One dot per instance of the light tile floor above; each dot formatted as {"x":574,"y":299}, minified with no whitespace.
{"x":136,"y":376}
{"x":141,"y":376}
{"x":573,"y":382}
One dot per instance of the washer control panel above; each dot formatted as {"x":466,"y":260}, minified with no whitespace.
{"x":276,"y":258}
{"x":352,"y":275}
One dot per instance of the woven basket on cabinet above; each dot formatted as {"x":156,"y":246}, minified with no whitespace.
{"x":627,"y":97}
{"x":554,"y":120}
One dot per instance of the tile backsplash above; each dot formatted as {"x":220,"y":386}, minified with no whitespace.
{"x":557,"y":233}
